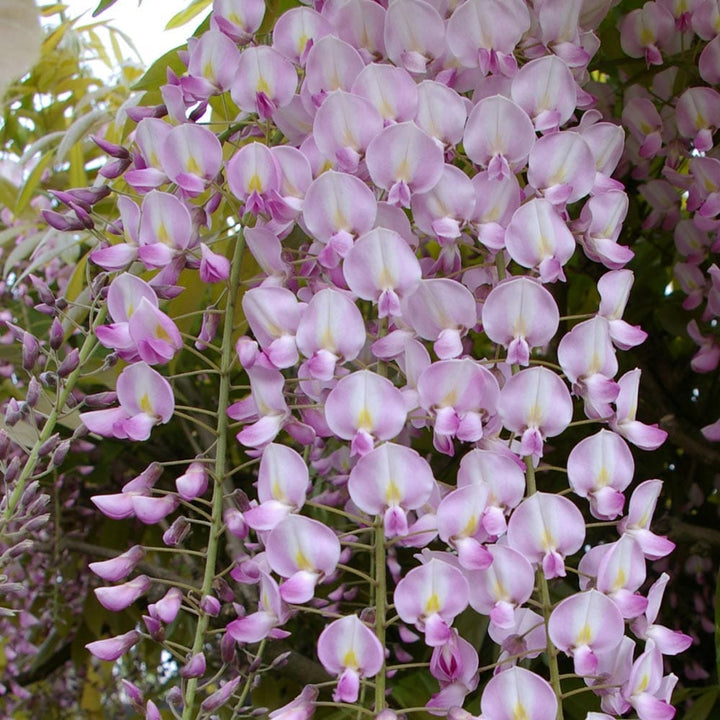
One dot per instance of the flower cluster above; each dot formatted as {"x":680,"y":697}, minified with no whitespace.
{"x":389,"y":211}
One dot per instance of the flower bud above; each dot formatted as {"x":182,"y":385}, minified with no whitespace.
{"x":56,"y":334}
{"x":49,"y":445}
{"x":113,"y":648}
{"x":220,"y":697}
{"x":223,"y":590}
{"x":112,"y":149}
{"x":42,"y":289}
{"x":49,"y":379}
{"x":30,"y":351}
{"x":118,"y":568}
{"x":193,"y":483}
{"x":119,"y":597}
{"x":14,"y":411}
{"x":176,"y":533}
{"x":208,"y":329}
{"x":114,"y":168}
{"x":12,"y":470}
{"x":174,"y":697}
{"x":101,"y":400}
{"x":210,"y":605}
{"x":69,"y":364}
{"x":4,"y":444}
{"x":36,"y":523}
{"x":154,"y":627}
{"x":195,"y":666}
{"x":152,"y":712}
{"x":33,"y":392}
{"x":60,"y":453}
{"x":235,"y":523}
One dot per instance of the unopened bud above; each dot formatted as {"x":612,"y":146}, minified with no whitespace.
{"x":14,"y":412}
{"x":33,"y":392}
{"x":60,"y":453}
{"x":98,"y":283}
{"x":69,"y":364}
{"x":101,"y":399}
{"x":227,"y":648}
{"x":30,"y":493}
{"x":45,"y":309}
{"x":80,"y":432}
{"x":281,"y":659}
{"x":30,"y":351}
{"x":42,"y":289}
{"x":174,"y":697}
{"x":110,"y":361}
{"x":112,"y":149}
{"x":258,"y":712}
{"x":36,"y":523}
{"x":223,"y":590}
{"x":176,"y":533}
{"x":64,"y":223}
{"x":49,"y":445}
{"x":21,"y":548}
{"x":49,"y":379}
{"x":56,"y":334}
{"x":115,"y":168}
{"x":12,"y":470}
{"x":4,"y":444}
{"x":61,"y":303}
{"x":210,"y":605}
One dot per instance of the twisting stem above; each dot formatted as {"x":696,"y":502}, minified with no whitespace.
{"x":380,"y":607}
{"x":546,"y":605}
{"x":221,"y":445}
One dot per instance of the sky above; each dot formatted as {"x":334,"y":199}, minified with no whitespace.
{"x":145,"y":24}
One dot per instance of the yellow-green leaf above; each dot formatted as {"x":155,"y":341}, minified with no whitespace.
{"x":31,"y":184}
{"x":186,"y":15}
{"x":79,"y":130}
{"x":156,"y":74}
{"x":78,"y":177}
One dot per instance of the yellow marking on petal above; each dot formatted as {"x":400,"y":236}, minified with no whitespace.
{"x":594,"y":364}
{"x":235,"y":18}
{"x":328,"y":340}
{"x":534,"y":416}
{"x":302,"y":42}
{"x":603,"y":477}
{"x":470,"y":528}
{"x":162,"y":334}
{"x":255,"y":184}
{"x":207,"y":70}
{"x":393,"y":496}
{"x":385,"y":109}
{"x":647,"y":37}
{"x":130,"y":310}
{"x":432,"y":605}
{"x":403,"y":171}
{"x":620,"y":580}
{"x":548,"y":541}
{"x":163,"y":235}
{"x":263,"y":87}
{"x":364,"y":421}
{"x":519,"y":712}
{"x":643,"y":684}
{"x":450,"y":399}
{"x":339,"y":220}
{"x":585,"y":635}
{"x":302,"y":562}
{"x":145,"y":404}
{"x":192,"y":167}
{"x":350,"y":660}
{"x":276,"y":491}
{"x":499,"y":590}
{"x":386,"y":281}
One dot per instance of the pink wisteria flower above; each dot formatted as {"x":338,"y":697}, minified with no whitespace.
{"x":349,"y":649}
{"x":146,"y":399}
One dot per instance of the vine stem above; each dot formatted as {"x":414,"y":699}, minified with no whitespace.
{"x":221,"y":446}
{"x":546,"y":605}
{"x":87,"y":348}
{"x":380,"y":607}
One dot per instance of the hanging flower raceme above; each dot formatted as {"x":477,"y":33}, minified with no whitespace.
{"x":349,"y":649}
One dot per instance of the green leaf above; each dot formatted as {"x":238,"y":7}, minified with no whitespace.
{"x":21,"y":251}
{"x":156,"y":74}
{"x":8,"y":193}
{"x":186,"y":15}
{"x":79,"y":130}
{"x":31,"y":184}
{"x":102,"y":6}
{"x":703,"y":705}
